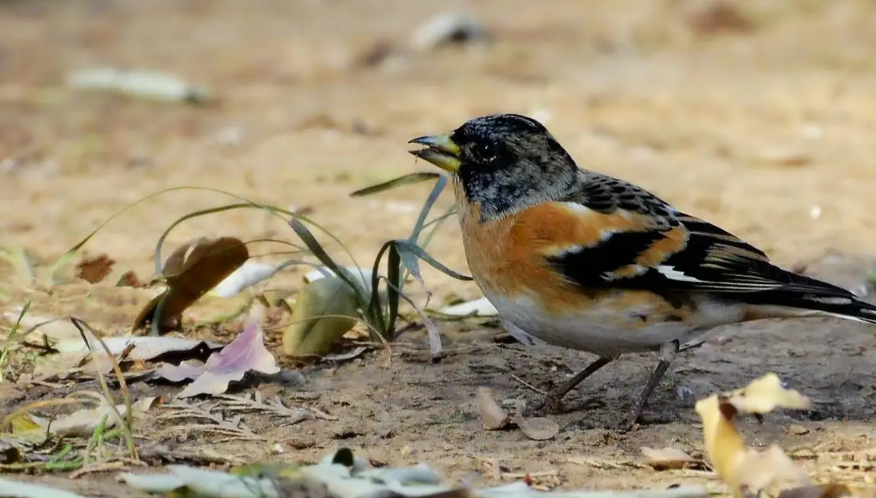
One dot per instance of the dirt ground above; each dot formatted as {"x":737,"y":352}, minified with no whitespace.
{"x":762,"y":124}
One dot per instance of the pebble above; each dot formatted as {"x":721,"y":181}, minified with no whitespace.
{"x":445,"y":29}
{"x":797,"y":430}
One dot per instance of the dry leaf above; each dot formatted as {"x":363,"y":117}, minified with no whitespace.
{"x":825,"y":491}
{"x":493,"y":414}
{"x":95,"y":269}
{"x":318,"y":317}
{"x":40,"y":331}
{"x":478,"y":307}
{"x":190,"y":272}
{"x":142,"y":84}
{"x":249,"y":274}
{"x":83,"y":422}
{"x":142,"y":348}
{"x":245,"y":353}
{"x":537,"y":428}
{"x":667,"y":458}
{"x":745,"y":469}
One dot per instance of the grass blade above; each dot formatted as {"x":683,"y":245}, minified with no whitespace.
{"x":409,"y":179}
{"x":424,"y":212}
{"x":317,"y":250}
{"x":16,"y":327}
{"x":406,"y":246}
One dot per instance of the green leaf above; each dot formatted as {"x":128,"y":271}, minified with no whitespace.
{"x":409,"y":179}
{"x":317,"y":250}
{"x":427,"y":206}
{"x":406,"y":246}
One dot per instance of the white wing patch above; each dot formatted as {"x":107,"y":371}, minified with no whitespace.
{"x":673,"y":274}
{"x":829,"y":300}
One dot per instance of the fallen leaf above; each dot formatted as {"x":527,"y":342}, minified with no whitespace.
{"x":493,"y":414}
{"x":245,"y":353}
{"x":40,"y":331}
{"x":318,"y":317}
{"x":667,"y":458}
{"x":142,"y":348}
{"x":83,"y":422}
{"x":190,"y":272}
{"x":744,"y":469}
{"x":830,"y":490}
{"x":477,"y":307}
{"x":537,"y":428}
{"x":94,"y":269}
{"x":17,"y":489}
{"x":59,"y":365}
{"x":143,"y":84}
{"x":249,"y":274}
{"x":177,"y":373}
{"x":129,"y":279}
{"x":719,"y":16}
{"x":758,"y":470}
{"x":361,"y":275}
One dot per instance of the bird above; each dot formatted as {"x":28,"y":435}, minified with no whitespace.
{"x":586,"y":261}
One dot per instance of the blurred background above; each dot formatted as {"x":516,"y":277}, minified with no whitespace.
{"x":758,"y":115}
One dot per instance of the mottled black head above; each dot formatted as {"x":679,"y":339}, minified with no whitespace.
{"x":505,"y":162}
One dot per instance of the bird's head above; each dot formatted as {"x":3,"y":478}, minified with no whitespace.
{"x":503,"y":162}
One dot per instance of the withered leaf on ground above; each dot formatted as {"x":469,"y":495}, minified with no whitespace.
{"x":94,"y":269}
{"x":142,"y":348}
{"x":495,"y":418}
{"x":668,"y":458}
{"x":83,"y":422}
{"x":493,"y":414}
{"x":746,"y":470}
{"x":245,"y":353}
{"x":535,"y":428}
{"x":190,"y":272}
{"x":324,"y":311}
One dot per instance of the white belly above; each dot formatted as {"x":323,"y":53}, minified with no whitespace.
{"x":607,"y":332}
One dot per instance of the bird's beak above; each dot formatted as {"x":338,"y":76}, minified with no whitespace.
{"x":440,"y":150}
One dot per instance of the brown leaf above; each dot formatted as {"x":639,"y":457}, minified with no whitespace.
{"x":493,"y":414}
{"x":719,"y":16}
{"x":190,"y":272}
{"x":667,"y":458}
{"x":129,"y":279}
{"x":95,"y":269}
{"x":822,"y":491}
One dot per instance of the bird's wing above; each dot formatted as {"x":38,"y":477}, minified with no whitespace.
{"x":626,"y":237}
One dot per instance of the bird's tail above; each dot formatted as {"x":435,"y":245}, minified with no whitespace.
{"x":842,"y":307}
{"x":810,"y":303}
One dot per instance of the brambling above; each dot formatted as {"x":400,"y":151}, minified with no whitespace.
{"x":589,"y":262}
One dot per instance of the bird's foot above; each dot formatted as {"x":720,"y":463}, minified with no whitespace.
{"x":551,"y":404}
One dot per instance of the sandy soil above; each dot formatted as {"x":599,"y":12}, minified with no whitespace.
{"x":763,"y":126}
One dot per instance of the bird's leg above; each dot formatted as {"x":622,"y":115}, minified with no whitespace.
{"x":553,"y":403}
{"x":667,"y":355}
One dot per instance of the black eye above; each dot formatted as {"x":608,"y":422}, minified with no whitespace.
{"x":482,"y":153}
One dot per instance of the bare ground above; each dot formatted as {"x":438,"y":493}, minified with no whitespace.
{"x":765,"y":129}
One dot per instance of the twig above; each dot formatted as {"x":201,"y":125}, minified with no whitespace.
{"x":530,"y":386}
{"x":97,"y":467}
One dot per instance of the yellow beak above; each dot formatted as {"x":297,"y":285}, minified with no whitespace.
{"x":440,"y":150}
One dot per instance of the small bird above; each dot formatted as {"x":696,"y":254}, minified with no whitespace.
{"x":589,"y":262}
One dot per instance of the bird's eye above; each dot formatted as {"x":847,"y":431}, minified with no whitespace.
{"x":482,"y":153}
